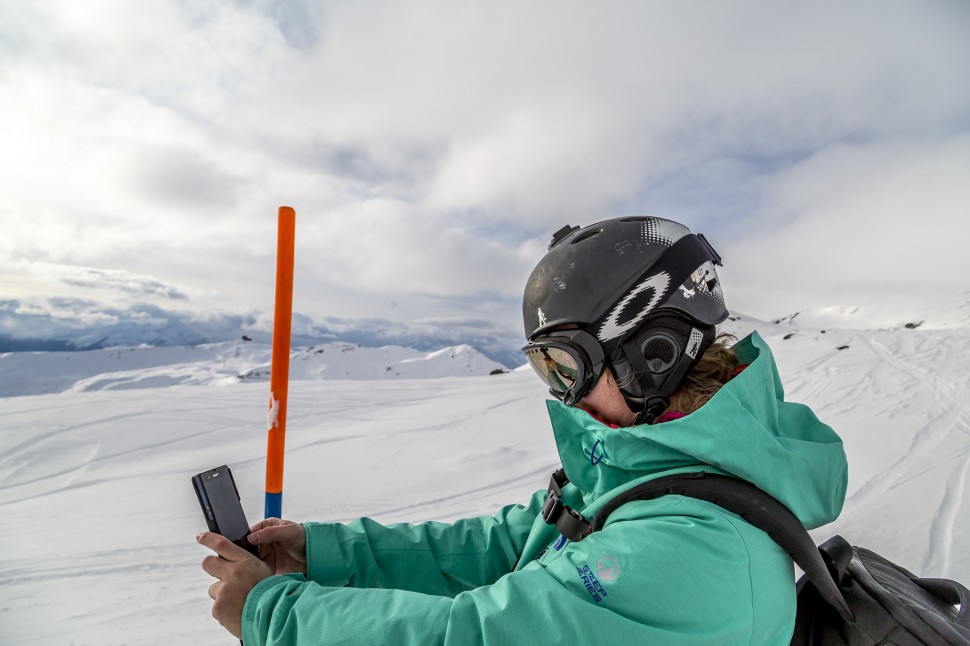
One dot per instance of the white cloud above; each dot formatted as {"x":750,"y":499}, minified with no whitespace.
{"x":859,"y":224}
{"x":431,"y":148}
{"x":35,"y":284}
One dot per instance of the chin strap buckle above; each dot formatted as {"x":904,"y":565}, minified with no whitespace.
{"x":653,"y":408}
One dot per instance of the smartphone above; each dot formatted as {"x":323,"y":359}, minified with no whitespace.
{"x":221,"y":506}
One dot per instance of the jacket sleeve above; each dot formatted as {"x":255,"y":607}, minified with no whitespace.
{"x":431,"y":558}
{"x":658,"y":580}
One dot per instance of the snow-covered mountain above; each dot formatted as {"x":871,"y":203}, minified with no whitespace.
{"x":351,"y":361}
{"x":98,"y":543}
{"x":34,"y":373}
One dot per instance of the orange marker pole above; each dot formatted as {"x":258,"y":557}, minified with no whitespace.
{"x":280,"y":368}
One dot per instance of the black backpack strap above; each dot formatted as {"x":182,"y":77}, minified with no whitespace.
{"x":754,"y":506}
{"x":567,"y":520}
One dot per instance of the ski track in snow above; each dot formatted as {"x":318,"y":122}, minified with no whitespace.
{"x":99,"y":540}
{"x":925,"y":444}
{"x":944,"y":525}
{"x":130,"y":470}
{"x":906,"y":395}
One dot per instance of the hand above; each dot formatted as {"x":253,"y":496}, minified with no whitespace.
{"x":282,"y":545}
{"x":238,"y":572}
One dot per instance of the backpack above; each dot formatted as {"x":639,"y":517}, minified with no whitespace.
{"x":848,"y":595}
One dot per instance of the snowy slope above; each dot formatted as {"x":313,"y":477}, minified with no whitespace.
{"x":98,"y":547}
{"x":34,"y":373}
{"x":941,"y":314}
{"x":350,"y":361}
{"x":899,"y":399}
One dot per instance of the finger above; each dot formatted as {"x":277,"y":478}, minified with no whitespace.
{"x":223,"y":546}
{"x":267,"y":522}
{"x":273,"y":534}
{"x":215,"y":566}
{"x":257,"y":536}
{"x":263,"y":535}
{"x":214,"y":590}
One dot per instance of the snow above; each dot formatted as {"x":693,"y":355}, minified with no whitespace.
{"x":349,"y":361}
{"x":940,"y":314}
{"x":98,"y":543}
{"x":33,"y":373}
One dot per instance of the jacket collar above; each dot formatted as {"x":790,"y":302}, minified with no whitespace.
{"x":746,"y":430}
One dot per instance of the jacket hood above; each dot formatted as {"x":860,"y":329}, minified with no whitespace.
{"x":746,"y":430}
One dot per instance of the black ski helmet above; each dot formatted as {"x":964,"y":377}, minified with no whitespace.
{"x":644,"y":287}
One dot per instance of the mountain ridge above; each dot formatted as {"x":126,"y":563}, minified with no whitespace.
{"x":213,"y":364}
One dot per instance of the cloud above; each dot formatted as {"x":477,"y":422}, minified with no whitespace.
{"x":71,"y":323}
{"x":82,"y":324}
{"x":124,"y":281}
{"x":300,"y":23}
{"x":182,"y":178}
{"x":99,"y":285}
{"x":859,"y":224}
{"x":431,"y":149}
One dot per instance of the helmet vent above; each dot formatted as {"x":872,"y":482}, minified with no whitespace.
{"x":587,"y":236}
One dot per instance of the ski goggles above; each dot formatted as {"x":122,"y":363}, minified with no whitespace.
{"x":569,"y":362}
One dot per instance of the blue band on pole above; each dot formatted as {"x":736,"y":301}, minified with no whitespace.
{"x":274,"y":505}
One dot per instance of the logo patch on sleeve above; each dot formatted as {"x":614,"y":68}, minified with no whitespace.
{"x":608,"y":568}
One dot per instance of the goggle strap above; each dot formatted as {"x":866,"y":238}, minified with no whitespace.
{"x":679,"y":261}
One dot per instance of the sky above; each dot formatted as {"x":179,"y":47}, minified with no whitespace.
{"x":430,"y":150}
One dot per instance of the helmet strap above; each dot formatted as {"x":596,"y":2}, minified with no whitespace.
{"x":653,"y":408}
{"x":650,"y":365}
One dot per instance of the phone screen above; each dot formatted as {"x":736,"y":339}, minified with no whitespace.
{"x":220,"y":504}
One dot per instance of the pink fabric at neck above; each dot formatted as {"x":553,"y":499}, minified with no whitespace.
{"x":666,"y":417}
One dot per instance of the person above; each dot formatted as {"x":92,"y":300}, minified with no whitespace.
{"x":620,"y":318}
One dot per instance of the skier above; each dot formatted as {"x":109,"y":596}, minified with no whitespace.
{"x":620,"y":319}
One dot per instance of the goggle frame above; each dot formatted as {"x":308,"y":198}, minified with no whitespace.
{"x":583,"y":348}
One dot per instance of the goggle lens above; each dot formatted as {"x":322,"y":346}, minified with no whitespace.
{"x":558,"y":368}
{"x":568,"y":361}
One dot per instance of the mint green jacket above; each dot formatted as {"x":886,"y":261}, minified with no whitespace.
{"x":669,"y":571}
